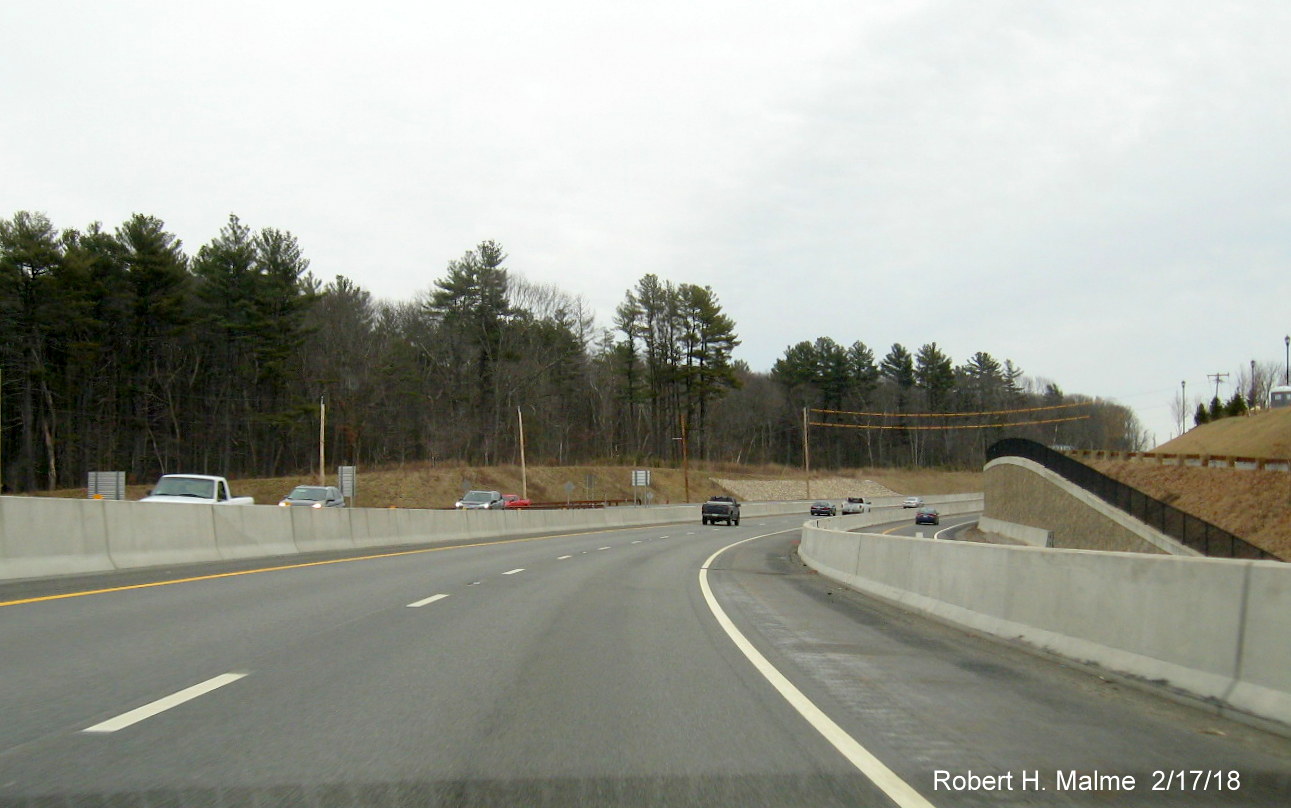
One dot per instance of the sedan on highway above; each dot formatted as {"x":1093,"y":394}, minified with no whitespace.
{"x":912,"y":502}
{"x":314,"y":496}
{"x":823,"y":508}
{"x":927,"y":516}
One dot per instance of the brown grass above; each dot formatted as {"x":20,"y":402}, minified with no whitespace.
{"x":1265,"y":434}
{"x":1255,"y":505}
{"x":426,"y":485}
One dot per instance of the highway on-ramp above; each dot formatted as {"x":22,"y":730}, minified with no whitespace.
{"x":675,"y":665}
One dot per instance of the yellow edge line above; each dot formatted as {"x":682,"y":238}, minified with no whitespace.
{"x":213,"y":576}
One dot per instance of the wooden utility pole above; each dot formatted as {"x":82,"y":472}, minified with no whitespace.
{"x":524,"y":474}
{"x":685,"y":456}
{"x":322,"y":444}
{"x":806,"y":452}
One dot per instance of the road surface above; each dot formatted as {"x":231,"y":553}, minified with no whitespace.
{"x":609,"y":668}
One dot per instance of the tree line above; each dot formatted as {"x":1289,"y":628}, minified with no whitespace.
{"x":119,"y":351}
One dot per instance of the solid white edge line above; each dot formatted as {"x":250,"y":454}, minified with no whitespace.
{"x":161,"y":705}
{"x":957,"y":526}
{"x":426,"y":602}
{"x":514,"y":571}
{"x":887,"y":780}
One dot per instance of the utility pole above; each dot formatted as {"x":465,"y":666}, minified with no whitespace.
{"x":806,"y":452}
{"x":1216,"y":377}
{"x":524,"y":474}
{"x":322,"y":443}
{"x":1183,"y":406}
{"x":685,"y":456}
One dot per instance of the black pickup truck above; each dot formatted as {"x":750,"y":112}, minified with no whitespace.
{"x":721,"y":509}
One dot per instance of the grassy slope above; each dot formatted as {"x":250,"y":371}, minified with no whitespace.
{"x":1255,"y":505}
{"x":1265,"y":434}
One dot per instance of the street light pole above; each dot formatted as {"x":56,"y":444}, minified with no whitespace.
{"x":1287,"y":340}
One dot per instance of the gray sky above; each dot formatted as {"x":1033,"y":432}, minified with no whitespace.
{"x":1096,"y":190}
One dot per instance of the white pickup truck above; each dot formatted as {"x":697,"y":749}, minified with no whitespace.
{"x":194,"y":489}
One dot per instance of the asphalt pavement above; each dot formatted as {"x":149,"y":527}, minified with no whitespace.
{"x":587,"y":669}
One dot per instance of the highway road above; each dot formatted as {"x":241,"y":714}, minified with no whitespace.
{"x":681,"y":665}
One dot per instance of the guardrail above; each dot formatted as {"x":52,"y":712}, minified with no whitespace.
{"x":1197,"y":460}
{"x":1200,"y":535}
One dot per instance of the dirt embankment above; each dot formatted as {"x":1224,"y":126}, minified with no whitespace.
{"x":1255,"y":505}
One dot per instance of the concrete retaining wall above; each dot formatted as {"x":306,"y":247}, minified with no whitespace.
{"x":1031,"y":536}
{"x":1024,"y":492}
{"x":1215,"y":629}
{"x":45,"y":537}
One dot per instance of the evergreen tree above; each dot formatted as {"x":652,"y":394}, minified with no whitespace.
{"x":934,"y":375}
{"x":1202,"y":416}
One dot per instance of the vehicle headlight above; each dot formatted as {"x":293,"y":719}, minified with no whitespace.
{"x":316,"y":505}
{"x":285,"y":503}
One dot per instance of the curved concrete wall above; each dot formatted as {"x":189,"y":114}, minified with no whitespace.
{"x":1213,"y":628}
{"x":44,"y":537}
{"x":1025,"y":493}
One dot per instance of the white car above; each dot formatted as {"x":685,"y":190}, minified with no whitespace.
{"x":855,"y":505}
{"x":912,"y":502}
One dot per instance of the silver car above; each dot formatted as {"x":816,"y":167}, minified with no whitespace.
{"x":912,"y":502}
{"x":314,"y":496}
{"x":473,"y":500}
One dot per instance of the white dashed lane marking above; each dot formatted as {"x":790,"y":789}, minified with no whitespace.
{"x":161,"y":705}
{"x":513,"y":572}
{"x":426,"y":602}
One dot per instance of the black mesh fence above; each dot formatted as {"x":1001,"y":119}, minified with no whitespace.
{"x":1187,"y":529}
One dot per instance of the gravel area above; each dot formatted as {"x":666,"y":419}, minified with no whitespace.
{"x":786,"y":490}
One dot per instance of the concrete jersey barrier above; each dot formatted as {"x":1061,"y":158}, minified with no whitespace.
{"x":42,"y":537}
{"x":1215,"y":629}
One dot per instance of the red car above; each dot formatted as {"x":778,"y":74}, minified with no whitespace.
{"x":514,"y":501}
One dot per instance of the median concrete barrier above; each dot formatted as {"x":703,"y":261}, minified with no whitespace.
{"x":246,"y":532}
{"x":142,"y":534}
{"x":45,"y":538}
{"x":314,"y":529}
{"x":1212,"y":628}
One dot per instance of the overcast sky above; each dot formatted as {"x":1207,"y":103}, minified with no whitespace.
{"x":1095,"y":190}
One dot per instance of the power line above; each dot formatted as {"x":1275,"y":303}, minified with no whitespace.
{"x":954,"y":414}
{"x":957,"y":426}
